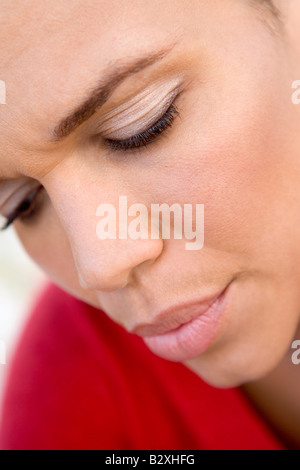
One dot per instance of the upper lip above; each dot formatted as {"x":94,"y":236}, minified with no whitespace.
{"x":175,"y":316}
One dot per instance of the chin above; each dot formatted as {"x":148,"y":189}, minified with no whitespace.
{"x":233,"y":372}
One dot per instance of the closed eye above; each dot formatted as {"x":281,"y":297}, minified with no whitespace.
{"x":26,"y":209}
{"x":147,"y":136}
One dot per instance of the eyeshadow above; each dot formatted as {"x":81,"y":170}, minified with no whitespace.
{"x":140,"y":113}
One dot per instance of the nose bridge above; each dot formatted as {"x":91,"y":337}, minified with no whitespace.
{"x":102,"y":264}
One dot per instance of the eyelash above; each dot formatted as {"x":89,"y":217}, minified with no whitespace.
{"x":148,"y":136}
{"x":26,"y":209}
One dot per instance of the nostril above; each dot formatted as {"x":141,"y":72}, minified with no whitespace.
{"x":109,"y":266}
{"x":104,"y":281}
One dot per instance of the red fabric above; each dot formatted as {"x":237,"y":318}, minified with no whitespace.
{"x":79,"y":381}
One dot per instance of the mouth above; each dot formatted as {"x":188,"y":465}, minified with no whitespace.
{"x":184,"y":332}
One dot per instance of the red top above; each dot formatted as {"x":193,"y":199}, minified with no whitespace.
{"x":80,"y":381}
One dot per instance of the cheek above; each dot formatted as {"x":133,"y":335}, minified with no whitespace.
{"x":46,"y":243}
{"x":243,"y":165}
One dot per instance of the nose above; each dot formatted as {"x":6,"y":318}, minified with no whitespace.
{"x":102,"y":264}
{"x":110,"y":265}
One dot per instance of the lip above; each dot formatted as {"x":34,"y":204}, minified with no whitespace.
{"x":185,"y":331}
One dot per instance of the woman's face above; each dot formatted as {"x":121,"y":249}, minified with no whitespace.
{"x":228,"y":67}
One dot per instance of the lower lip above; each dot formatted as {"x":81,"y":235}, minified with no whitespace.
{"x":193,"y":338}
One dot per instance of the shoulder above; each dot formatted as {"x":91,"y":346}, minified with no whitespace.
{"x":58,"y":389}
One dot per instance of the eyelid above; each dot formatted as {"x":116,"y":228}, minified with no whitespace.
{"x":24,"y":210}
{"x":3,"y":222}
{"x":139,"y":114}
{"x":11,"y":203}
{"x":148,"y":136}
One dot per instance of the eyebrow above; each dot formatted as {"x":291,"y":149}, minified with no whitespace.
{"x":103,"y":90}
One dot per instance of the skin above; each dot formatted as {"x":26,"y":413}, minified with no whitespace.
{"x":234,"y":148}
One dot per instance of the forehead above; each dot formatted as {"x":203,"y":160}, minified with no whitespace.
{"x":68,"y":24}
{"x":43,"y":39}
{"x":52,"y":52}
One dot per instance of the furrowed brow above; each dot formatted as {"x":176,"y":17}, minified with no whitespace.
{"x":103,"y":90}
